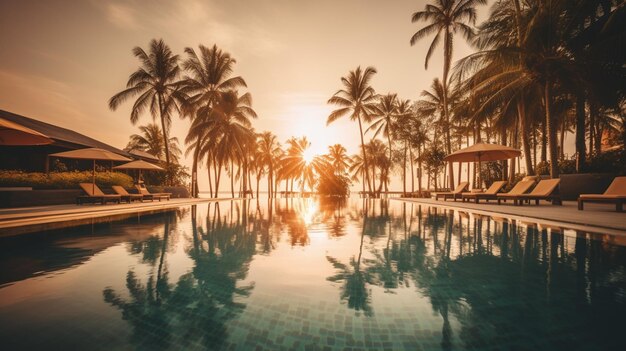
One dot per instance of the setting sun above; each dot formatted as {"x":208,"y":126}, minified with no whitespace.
{"x":308,"y":155}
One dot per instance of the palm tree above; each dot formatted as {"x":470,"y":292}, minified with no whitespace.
{"x":338,"y":157}
{"x":293,"y":164}
{"x":156,"y":84}
{"x":270,"y":153}
{"x":228,"y":126}
{"x":446,"y":17}
{"x":401,"y":120}
{"x":385,"y":112}
{"x":151,"y":141}
{"x":209,"y":76}
{"x":357,"y":100}
{"x":357,"y":168}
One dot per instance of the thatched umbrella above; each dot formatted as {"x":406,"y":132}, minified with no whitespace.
{"x":139,"y":165}
{"x":14,"y":134}
{"x":93,"y":154}
{"x":483,"y":152}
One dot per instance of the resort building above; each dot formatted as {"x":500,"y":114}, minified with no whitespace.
{"x":35,"y":158}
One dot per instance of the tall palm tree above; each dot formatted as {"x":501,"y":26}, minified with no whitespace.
{"x":270,"y":152}
{"x":151,"y":141}
{"x":445,"y":18}
{"x":293,"y":164}
{"x":229,"y":129}
{"x":356,"y":100}
{"x":156,"y":84}
{"x":209,"y":75}
{"x":385,"y":112}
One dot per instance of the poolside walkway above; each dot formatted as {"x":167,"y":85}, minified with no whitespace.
{"x":28,"y":216}
{"x":599,"y":218}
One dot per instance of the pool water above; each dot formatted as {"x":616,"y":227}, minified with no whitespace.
{"x":308,"y":275}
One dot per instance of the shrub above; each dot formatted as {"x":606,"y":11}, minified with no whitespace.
{"x":565,"y":167}
{"x":62,"y":180}
{"x":332,"y":184}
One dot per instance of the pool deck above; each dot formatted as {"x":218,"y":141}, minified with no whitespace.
{"x":29,"y":216}
{"x":596,"y":218}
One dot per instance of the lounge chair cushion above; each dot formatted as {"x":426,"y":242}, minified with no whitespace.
{"x":520,"y":188}
{"x":545,"y":188}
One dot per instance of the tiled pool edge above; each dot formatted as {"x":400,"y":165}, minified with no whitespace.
{"x":566,"y":224}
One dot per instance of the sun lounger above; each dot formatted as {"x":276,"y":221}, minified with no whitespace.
{"x":94,"y":194}
{"x":126,"y":196}
{"x":455,"y":194}
{"x":614,"y":194}
{"x":520,"y":188}
{"x":547,"y":189}
{"x":489,"y":194}
{"x":151,"y":196}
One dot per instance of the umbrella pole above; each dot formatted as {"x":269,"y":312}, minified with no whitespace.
{"x":480,"y":180}
{"x":93,"y":178}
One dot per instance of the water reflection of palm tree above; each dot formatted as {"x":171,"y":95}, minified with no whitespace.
{"x":195,"y":310}
{"x":354,"y":289}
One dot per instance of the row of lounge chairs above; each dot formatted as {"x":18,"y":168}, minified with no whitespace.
{"x":546,"y":189}
{"x":95,"y":195}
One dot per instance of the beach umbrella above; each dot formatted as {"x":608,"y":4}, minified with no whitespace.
{"x":14,"y":134}
{"x":139,"y":165}
{"x":93,"y":154}
{"x":480,"y":152}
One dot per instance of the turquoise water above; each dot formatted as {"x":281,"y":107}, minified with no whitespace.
{"x":300,"y":274}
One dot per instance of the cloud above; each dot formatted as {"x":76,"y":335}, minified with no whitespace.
{"x":193,"y":22}
{"x":121,"y":15}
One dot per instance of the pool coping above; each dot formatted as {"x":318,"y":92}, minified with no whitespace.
{"x":42,"y":215}
{"x":511,"y":212}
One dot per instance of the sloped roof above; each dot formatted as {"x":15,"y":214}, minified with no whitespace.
{"x":62,"y":137}
{"x":144,"y":155}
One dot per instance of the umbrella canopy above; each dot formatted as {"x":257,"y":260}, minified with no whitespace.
{"x":92,"y":153}
{"x":14,"y":134}
{"x":483,"y":152}
{"x":139,"y":164}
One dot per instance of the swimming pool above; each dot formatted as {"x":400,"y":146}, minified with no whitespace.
{"x":310,"y":275}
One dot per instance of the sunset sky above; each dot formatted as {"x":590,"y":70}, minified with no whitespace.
{"x":60,"y":61}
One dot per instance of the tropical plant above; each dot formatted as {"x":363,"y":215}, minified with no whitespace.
{"x":209,"y":76}
{"x":445,"y":18}
{"x":356,"y":100}
{"x":151,"y":141}
{"x":157,"y":88}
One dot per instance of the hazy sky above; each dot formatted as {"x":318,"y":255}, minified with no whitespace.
{"x":60,"y":61}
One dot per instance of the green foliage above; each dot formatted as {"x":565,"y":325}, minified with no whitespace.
{"x":490,"y":172}
{"x":607,"y":162}
{"x":178,"y":175}
{"x":333,"y":184}
{"x":565,"y":167}
{"x":62,"y":180}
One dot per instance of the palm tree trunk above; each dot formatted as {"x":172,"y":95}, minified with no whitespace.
{"x":218,"y":177}
{"x":390,"y":155}
{"x":412,"y":171}
{"x":544,"y":142}
{"x":404,"y":170}
{"x":194,"y":173}
{"x":232,"y":178}
{"x":521,"y":113}
{"x":581,"y":150}
{"x":446,"y":68}
{"x":365,"y":164}
{"x":258,"y":182}
{"x":208,"y":168}
{"x":165,"y":138}
{"x":551,"y":131}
